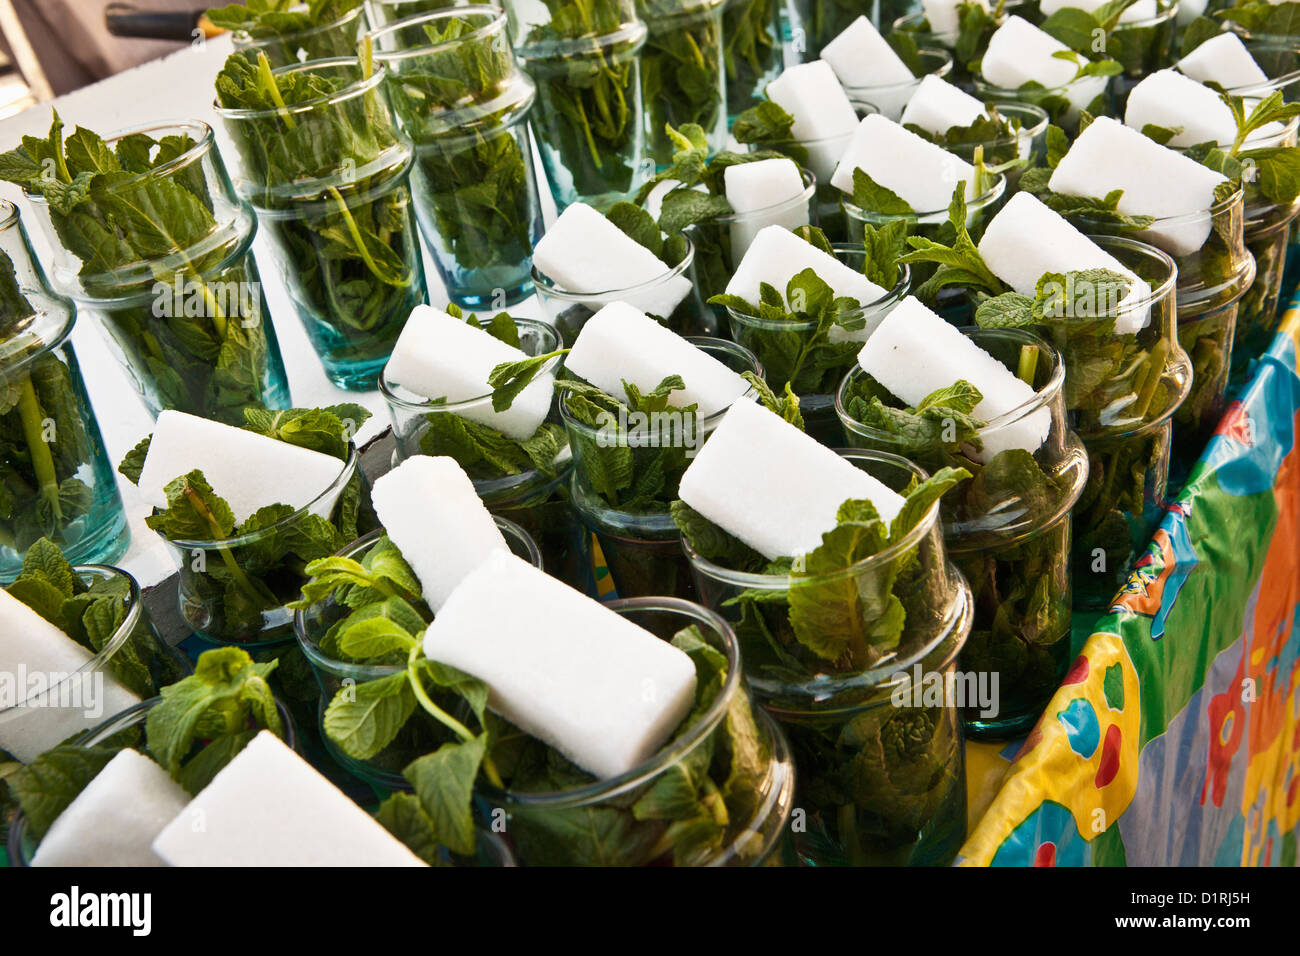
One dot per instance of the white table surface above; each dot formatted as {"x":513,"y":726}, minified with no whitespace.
{"x":181,"y":87}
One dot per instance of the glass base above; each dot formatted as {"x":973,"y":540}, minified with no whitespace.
{"x":104,"y":545}
{"x":494,"y":300}
{"x":356,"y":377}
{"x":1001,"y":728}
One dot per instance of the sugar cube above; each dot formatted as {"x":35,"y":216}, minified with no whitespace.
{"x":1224,"y":60}
{"x":620,"y":343}
{"x":269,"y":807}
{"x":1189,"y":10}
{"x":53,"y":689}
{"x":430,"y":510}
{"x":248,"y":470}
{"x":942,"y":15}
{"x":937,"y":106}
{"x":777,"y":255}
{"x":811,"y":94}
{"x":1020,"y":53}
{"x":763,"y":193}
{"x":1026,"y":240}
{"x":584,"y":253}
{"x":775,"y":488}
{"x":1157,"y":181}
{"x":1141,"y":10}
{"x":113,"y":821}
{"x":861,"y":57}
{"x":922,"y":174}
{"x":915,"y":353}
{"x":1175,"y":101}
{"x":597,"y":687}
{"x":439,"y":356}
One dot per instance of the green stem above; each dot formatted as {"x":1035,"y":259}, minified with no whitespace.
{"x":357,"y":238}
{"x":1028,"y":364}
{"x":273,"y":90}
{"x":33,"y":419}
{"x":261,"y":594}
{"x":444,"y":718}
{"x":1154,"y":371}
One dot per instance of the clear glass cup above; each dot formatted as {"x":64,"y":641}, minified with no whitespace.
{"x":782,"y":346}
{"x":1279,"y":58}
{"x":589,"y":122}
{"x":380,"y":13}
{"x":933,"y":224}
{"x":914,"y":22}
{"x":751,"y":34}
{"x":640,"y":548}
{"x":721,"y":242}
{"x":58,"y":481}
{"x":1026,"y":140}
{"x":225,"y":356}
{"x":127,"y":729}
{"x":821,"y":21}
{"x":229,"y":595}
{"x":329,"y":179}
{"x":891,"y":99}
{"x":421,"y":734}
{"x":1063,"y":104}
{"x":321,"y":42}
{"x":535,"y":499}
{"x":1012,"y":548}
{"x":133,"y":663}
{"x":1142,"y":46}
{"x":464,"y":104}
{"x":682,"y":72}
{"x":554,"y":828}
{"x":1267,"y":233}
{"x":673,"y":298}
{"x":869,"y":799}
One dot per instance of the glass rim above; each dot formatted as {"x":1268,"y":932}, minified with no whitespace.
{"x":1166,"y":10}
{"x":1042,"y":398}
{"x":754,"y":580}
{"x":1271,"y":43}
{"x":943,"y":69}
{"x":350,"y":467}
{"x":360,"y":87}
{"x":244,"y":40}
{"x":985,"y":87}
{"x":901,"y":289}
{"x":706,"y":423}
{"x":1013,"y":136}
{"x":670,"y":753}
{"x":135,"y":613}
{"x":543,"y":282}
{"x":426,"y":404}
{"x":982,"y":201}
{"x":1146,"y":249}
{"x":496,"y":21}
{"x":1218,"y":208}
{"x":806,"y":195}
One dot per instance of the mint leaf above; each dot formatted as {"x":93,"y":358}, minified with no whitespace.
{"x":444,"y":781}
{"x":873,"y":197}
{"x":48,"y":785}
{"x":364,"y":719}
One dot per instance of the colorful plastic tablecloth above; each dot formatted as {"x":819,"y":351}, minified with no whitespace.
{"x":1175,"y":737}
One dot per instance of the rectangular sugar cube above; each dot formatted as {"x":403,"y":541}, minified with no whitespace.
{"x":113,"y":821}
{"x":921,"y":173}
{"x":1141,"y":10}
{"x":620,"y":343}
{"x":777,"y":255}
{"x":1188,"y":10}
{"x":813,"y":96}
{"x":937,"y":106}
{"x":942,"y":15}
{"x":915,"y":353}
{"x":860,"y":56}
{"x":763,"y":193}
{"x":51,"y":674}
{"x":430,"y":510}
{"x":1223,"y":59}
{"x":603,"y":691}
{"x":1157,"y":181}
{"x":439,"y":356}
{"x":1019,"y":53}
{"x":248,"y":470}
{"x":1026,"y":240}
{"x":269,"y":807}
{"x":584,"y":253}
{"x":1170,"y":99}
{"x":773,"y":487}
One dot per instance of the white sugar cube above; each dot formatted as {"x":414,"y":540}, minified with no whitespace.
{"x":776,"y":489}
{"x":1157,"y":181}
{"x":1141,"y":10}
{"x":430,"y":510}
{"x":54,"y":691}
{"x":1020,"y":53}
{"x":603,"y":691}
{"x":937,"y":106}
{"x":777,"y":255}
{"x":248,"y":470}
{"x":269,"y":807}
{"x":113,"y":821}
{"x":922,"y":174}
{"x":584,"y":253}
{"x":1170,"y":99}
{"x":763,"y":193}
{"x":439,"y":356}
{"x":1189,"y":10}
{"x":942,"y":15}
{"x":1026,"y":240}
{"x":915,"y":353}
{"x":620,"y":343}
{"x":811,"y":94}
{"x":860,"y":57}
{"x":1223,"y":59}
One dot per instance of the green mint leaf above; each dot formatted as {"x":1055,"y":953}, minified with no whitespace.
{"x":444,"y":781}
{"x":363,"y":720}
{"x":48,"y":785}
{"x":873,"y":197}
{"x":508,"y":379}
